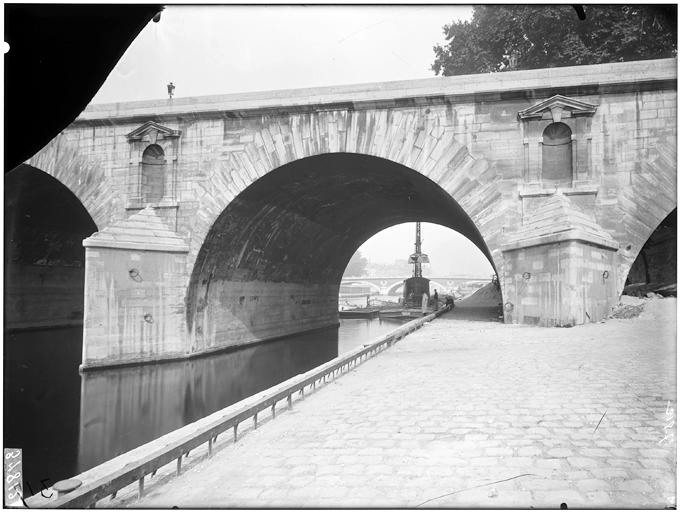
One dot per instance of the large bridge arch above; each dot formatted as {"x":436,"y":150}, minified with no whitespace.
{"x":85,"y":171}
{"x":431,"y":140}
{"x":273,"y":260}
{"x":645,"y":203}
{"x":656,"y":262}
{"x":45,"y":225}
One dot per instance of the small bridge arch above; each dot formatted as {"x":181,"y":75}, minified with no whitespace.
{"x":349,"y":283}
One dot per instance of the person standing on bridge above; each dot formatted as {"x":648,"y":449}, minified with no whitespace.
{"x":436,"y":300}
{"x":423,"y":303}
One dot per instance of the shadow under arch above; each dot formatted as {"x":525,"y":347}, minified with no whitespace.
{"x":655,"y":266}
{"x":272,"y":262}
{"x":45,"y":225}
{"x":44,"y":269}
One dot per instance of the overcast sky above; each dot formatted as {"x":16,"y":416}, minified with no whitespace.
{"x":223,"y":49}
{"x":450,"y":253}
{"x":207,"y":50}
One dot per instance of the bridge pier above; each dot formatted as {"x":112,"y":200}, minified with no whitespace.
{"x":134,"y":293}
{"x":559,"y":275}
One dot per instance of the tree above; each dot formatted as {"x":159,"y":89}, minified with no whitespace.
{"x":357,"y":265}
{"x":503,"y":37}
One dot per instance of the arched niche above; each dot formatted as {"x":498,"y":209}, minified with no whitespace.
{"x":153,"y":174}
{"x":557,"y":167}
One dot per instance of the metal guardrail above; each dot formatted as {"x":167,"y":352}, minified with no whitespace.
{"x":90,"y":493}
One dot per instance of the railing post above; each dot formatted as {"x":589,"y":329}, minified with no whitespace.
{"x":255,"y":420}
{"x":290,"y":402}
{"x":210,"y":443}
{"x":273,"y":410}
{"x":179,"y":465}
{"x":235,"y":432}
{"x":141,"y":488}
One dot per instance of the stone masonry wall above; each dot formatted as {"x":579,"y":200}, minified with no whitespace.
{"x":238,"y":313}
{"x":43,"y":296}
{"x":462,"y":133}
{"x":133,"y":317}
{"x":562,"y":284}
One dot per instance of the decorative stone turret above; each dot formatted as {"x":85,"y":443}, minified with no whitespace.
{"x":559,"y":267}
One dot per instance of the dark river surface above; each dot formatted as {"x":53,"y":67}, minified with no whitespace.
{"x":67,"y":422}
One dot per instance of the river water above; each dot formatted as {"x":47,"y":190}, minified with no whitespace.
{"x":67,"y":422}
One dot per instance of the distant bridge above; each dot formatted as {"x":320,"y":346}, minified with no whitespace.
{"x":392,"y":285}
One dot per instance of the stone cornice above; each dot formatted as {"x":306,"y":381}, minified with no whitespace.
{"x":143,"y":231}
{"x":567,"y":81}
{"x":136,"y":246}
{"x":563,"y":236}
{"x":558,"y":220}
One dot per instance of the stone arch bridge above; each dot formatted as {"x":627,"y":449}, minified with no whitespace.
{"x":226,"y":220}
{"x":392,"y":285}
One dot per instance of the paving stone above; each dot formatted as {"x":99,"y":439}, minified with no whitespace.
{"x":560,"y":452}
{"x":326,"y":450}
{"x":634,"y":486}
{"x":551,"y":463}
{"x":495,"y":451}
{"x":655,"y":453}
{"x":545,"y":484}
{"x":607,"y":472}
{"x":655,"y":463}
{"x":592,"y":485}
{"x":483,"y":461}
{"x":623,"y":463}
{"x":514,"y":462}
{"x":577,"y":475}
{"x":582,"y":462}
{"x":553,"y":499}
{"x":529,"y":451}
{"x":598,"y":499}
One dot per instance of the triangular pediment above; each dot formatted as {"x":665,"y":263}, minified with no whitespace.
{"x":557,"y":108}
{"x":151,"y":132}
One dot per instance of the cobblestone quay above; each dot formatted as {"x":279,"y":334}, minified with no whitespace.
{"x":466,"y":414}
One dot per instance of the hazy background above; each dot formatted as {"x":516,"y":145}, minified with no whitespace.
{"x":211,"y":49}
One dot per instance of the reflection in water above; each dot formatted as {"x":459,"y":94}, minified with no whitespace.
{"x":357,"y":331}
{"x":42,"y":400}
{"x":66,"y":426}
{"x":122,"y":408}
